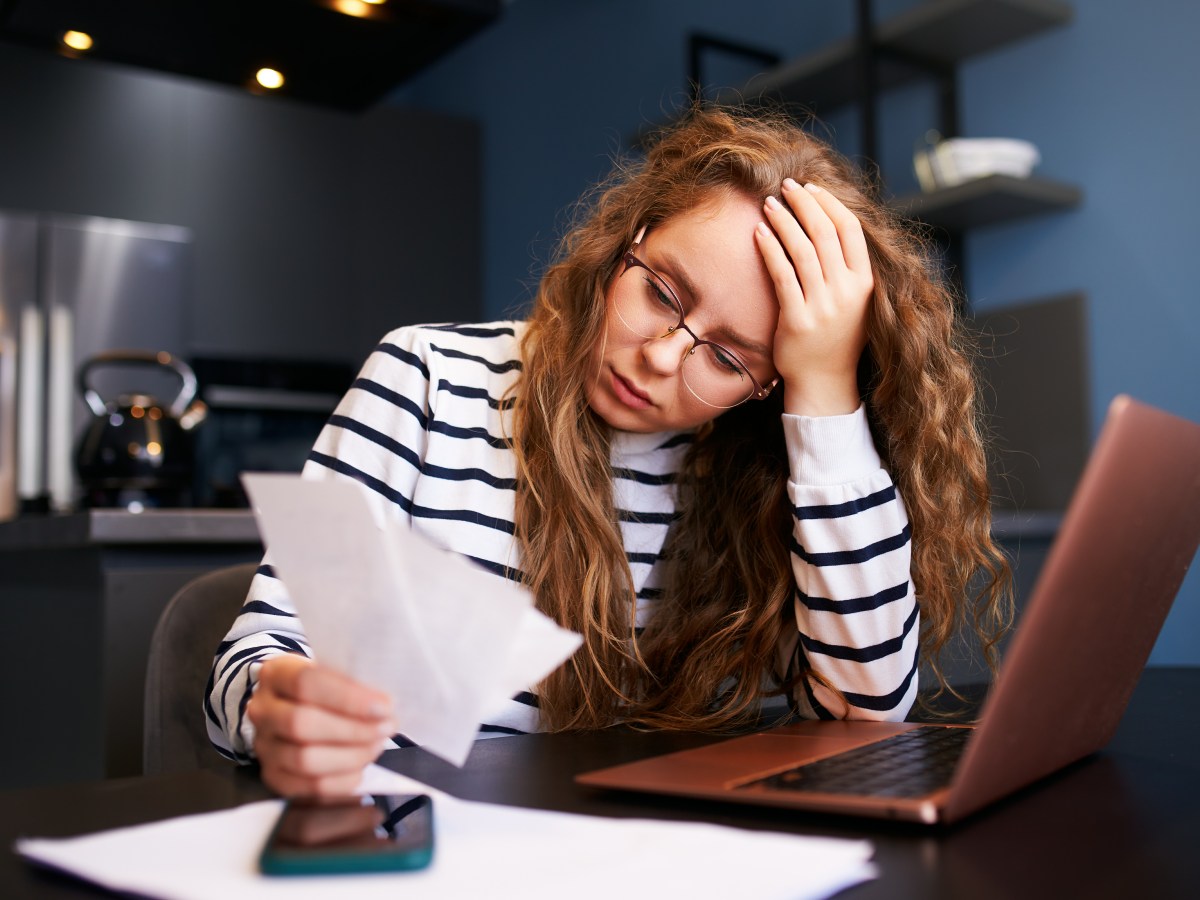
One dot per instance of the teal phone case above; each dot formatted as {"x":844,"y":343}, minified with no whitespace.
{"x":278,"y":859}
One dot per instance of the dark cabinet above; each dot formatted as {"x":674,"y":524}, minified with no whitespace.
{"x":80,"y":595}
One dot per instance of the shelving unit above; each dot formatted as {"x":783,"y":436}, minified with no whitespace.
{"x":988,"y":201}
{"x":936,"y":33}
{"x":925,"y":42}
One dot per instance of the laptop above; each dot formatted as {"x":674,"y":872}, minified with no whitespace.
{"x":1125,"y":543}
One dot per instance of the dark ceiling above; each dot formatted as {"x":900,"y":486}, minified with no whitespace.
{"x":327,"y":57}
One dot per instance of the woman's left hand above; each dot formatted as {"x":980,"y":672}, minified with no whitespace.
{"x":817,"y":259}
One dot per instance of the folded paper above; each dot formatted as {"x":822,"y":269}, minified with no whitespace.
{"x":383,"y":604}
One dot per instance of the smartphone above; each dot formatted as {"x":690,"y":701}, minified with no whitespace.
{"x":322,"y":836}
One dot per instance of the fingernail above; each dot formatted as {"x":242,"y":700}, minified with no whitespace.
{"x":789,"y":184}
{"x":762,"y":229}
{"x":387,"y":729}
{"x":812,"y":188}
{"x":378,"y":709}
{"x":772,"y":203}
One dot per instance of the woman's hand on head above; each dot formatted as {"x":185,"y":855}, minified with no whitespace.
{"x":817,"y":258}
{"x":315,"y":729}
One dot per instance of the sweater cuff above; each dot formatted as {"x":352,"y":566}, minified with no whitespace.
{"x":830,"y":449}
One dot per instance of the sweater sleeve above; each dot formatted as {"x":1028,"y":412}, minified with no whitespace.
{"x":377,"y":436}
{"x":857,"y":617}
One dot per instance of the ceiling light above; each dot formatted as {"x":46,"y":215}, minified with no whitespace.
{"x":269,"y":78}
{"x":77,"y":40}
{"x":360,"y":9}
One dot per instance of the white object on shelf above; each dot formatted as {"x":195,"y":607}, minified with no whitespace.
{"x":957,"y":160}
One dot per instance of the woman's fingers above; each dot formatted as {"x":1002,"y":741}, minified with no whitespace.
{"x":818,"y":227}
{"x":302,"y":681}
{"x":277,"y":715}
{"x":797,"y":268}
{"x":779,"y":266}
{"x":827,"y":226}
{"x":316,"y":760}
{"x":851,"y":243}
{"x":315,"y":729}
{"x":824,"y":242}
{"x":298,"y":700}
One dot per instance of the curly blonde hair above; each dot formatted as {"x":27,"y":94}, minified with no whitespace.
{"x":706,"y":657}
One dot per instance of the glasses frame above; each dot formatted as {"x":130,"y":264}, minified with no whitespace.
{"x":760,"y":391}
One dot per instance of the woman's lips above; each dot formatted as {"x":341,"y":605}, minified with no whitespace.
{"x":628,"y":394}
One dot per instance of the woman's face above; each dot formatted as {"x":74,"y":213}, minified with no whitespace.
{"x":709,"y":258}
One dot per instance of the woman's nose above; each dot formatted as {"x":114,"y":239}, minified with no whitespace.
{"x":665,"y":354}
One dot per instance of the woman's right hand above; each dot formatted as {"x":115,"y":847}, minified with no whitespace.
{"x":315,"y":729}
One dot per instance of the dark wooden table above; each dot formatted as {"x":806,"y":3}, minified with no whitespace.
{"x":1124,"y":823}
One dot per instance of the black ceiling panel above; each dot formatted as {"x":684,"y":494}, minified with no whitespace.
{"x":327,"y":57}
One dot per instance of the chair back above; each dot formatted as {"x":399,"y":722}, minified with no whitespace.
{"x":191,"y":626}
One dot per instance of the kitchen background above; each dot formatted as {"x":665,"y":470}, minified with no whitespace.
{"x":306,"y":231}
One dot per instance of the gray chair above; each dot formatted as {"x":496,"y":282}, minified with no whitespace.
{"x":191,"y":626}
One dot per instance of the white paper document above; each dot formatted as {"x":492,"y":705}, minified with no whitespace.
{"x":383,"y":604}
{"x":480,"y":850}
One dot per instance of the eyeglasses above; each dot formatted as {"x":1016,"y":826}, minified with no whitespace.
{"x":714,"y":374}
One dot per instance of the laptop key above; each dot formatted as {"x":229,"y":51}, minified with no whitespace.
{"x":906,"y":765}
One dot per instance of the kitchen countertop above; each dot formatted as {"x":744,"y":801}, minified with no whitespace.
{"x":117,"y":526}
{"x":237,"y":526}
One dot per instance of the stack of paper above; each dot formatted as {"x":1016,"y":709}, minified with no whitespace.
{"x":481,"y":850}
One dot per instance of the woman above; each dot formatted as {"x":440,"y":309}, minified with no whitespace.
{"x":732,"y":446}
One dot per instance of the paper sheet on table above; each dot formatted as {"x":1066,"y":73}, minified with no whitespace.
{"x":449,"y":641}
{"x":480,"y":850}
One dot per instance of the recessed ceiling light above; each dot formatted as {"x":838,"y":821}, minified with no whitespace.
{"x":77,"y":40}
{"x":360,"y":9}
{"x":269,"y":78}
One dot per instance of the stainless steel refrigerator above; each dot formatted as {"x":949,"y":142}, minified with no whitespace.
{"x":70,"y":287}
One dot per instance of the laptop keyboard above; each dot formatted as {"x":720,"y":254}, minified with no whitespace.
{"x":906,"y":765}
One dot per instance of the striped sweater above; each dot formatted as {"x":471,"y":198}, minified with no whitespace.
{"x":422,"y":427}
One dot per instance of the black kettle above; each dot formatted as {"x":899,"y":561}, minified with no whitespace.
{"x":137,"y":452}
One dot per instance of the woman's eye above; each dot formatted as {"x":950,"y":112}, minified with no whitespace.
{"x":725,"y":361}
{"x":660,"y":294}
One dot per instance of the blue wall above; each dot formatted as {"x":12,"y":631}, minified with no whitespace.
{"x":1111,"y":100}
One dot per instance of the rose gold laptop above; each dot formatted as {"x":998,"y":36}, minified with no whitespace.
{"x":1126,"y":542}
